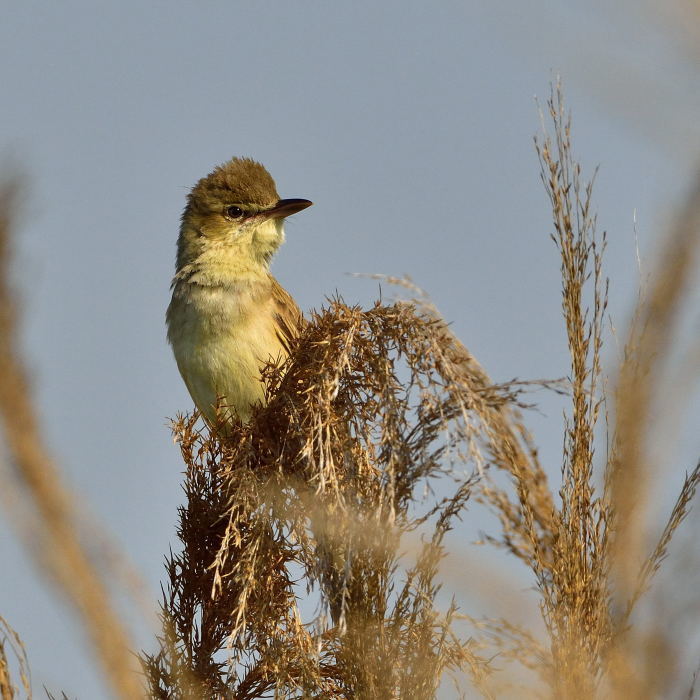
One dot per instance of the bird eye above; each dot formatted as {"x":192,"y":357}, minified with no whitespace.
{"x":234,"y":212}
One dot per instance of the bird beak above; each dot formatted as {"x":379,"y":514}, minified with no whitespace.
{"x":284,"y":208}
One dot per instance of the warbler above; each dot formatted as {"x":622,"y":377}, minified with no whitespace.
{"x":228,"y":316}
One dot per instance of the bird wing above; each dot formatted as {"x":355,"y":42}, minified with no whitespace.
{"x":288,"y":316}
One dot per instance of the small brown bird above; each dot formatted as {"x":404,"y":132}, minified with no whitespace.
{"x":229,"y":316}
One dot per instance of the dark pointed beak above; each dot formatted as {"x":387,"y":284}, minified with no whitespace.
{"x":285,"y":207}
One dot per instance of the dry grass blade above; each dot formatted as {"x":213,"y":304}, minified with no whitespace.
{"x":656,"y":558}
{"x":565,"y":546}
{"x":574,"y":591}
{"x":649,"y":344}
{"x":60,"y":547}
{"x":10,"y":639}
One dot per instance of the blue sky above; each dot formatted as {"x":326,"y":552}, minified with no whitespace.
{"x":408,"y":124}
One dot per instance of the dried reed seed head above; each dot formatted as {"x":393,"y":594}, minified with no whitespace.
{"x":239,"y":181}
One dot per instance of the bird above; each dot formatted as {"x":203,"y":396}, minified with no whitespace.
{"x":228,"y":317}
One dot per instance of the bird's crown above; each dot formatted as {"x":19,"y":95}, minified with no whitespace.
{"x":240,"y":181}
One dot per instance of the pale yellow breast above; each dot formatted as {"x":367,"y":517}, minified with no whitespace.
{"x":222,"y":338}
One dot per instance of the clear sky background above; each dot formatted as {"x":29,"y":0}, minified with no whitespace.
{"x":409,"y":124}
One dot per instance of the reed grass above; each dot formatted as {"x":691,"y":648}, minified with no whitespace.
{"x":379,"y":430}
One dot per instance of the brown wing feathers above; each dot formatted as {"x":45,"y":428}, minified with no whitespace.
{"x":289,"y":318}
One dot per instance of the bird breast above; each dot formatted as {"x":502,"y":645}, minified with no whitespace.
{"x":222,"y":336}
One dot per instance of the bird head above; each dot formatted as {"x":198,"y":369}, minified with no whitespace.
{"x":235,"y":211}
